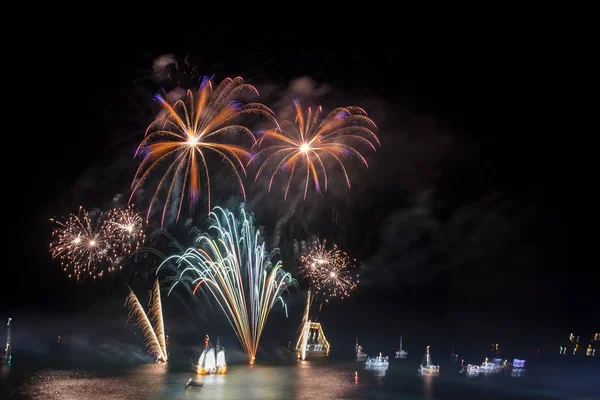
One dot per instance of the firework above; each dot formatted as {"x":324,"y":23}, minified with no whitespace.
{"x":83,"y":243}
{"x":328,"y":272}
{"x":89,"y":245}
{"x":126,"y":229}
{"x":310,"y":141}
{"x":190,"y":129}
{"x":152,"y":328}
{"x":237,"y":271}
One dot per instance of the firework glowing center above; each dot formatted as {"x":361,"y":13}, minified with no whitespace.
{"x":192,"y":141}
{"x":304,"y":147}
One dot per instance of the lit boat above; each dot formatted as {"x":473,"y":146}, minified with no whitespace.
{"x":426,"y":367}
{"x":5,"y":356}
{"x":493,"y":367}
{"x":470,"y":370}
{"x":221,"y":364}
{"x":518,"y":363}
{"x":212,"y":360}
{"x":360,"y":356}
{"x":311,"y":341}
{"x":518,"y":368}
{"x":401,"y":353}
{"x":378,"y":363}
{"x":207,"y":364}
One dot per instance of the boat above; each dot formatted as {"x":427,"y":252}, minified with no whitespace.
{"x":518,"y":363}
{"x":311,"y":340}
{"x":378,"y":363}
{"x":401,"y":353}
{"x":207,"y":363}
{"x":470,"y":370}
{"x":518,"y":368}
{"x":221,"y":363}
{"x":212,"y":359}
{"x":360,"y":356}
{"x":493,"y":367}
{"x":194,"y":383}
{"x":5,"y":356}
{"x":426,"y":367}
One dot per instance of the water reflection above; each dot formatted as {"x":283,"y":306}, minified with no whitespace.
{"x":4,"y":369}
{"x":301,"y":380}
{"x":144,"y":382}
{"x":315,"y":381}
{"x":428,"y":382}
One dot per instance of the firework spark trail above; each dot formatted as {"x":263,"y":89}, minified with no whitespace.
{"x":305,"y":327}
{"x":310,"y":141}
{"x":187,"y":132}
{"x":156,"y":317}
{"x":90,"y":245}
{"x":238,"y":272}
{"x":327,"y":271}
{"x":154,"y":337}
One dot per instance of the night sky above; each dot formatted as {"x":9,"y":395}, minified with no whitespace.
{"x":459,"y":216}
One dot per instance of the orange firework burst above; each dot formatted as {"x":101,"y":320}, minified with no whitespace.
{"x":311,"y":140}
{"x":187,"y":131}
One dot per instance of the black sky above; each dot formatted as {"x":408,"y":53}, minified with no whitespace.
{"x":463,"y":195}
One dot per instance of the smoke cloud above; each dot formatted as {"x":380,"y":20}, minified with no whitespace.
{"x":160,"y":65}
{"x":478,"y":250}
{"x":103,"y":333}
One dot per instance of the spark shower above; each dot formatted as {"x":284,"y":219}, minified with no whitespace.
{"x":153,"y":326}
{"x":235,"y":268}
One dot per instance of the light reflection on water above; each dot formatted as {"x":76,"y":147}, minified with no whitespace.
{"x":428,"y":382}
{"x":156,"y":382}
{"x":303,"y":380}
{"x":4,"y":369}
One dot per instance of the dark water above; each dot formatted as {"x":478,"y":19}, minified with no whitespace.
{"x":318,"y":379}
